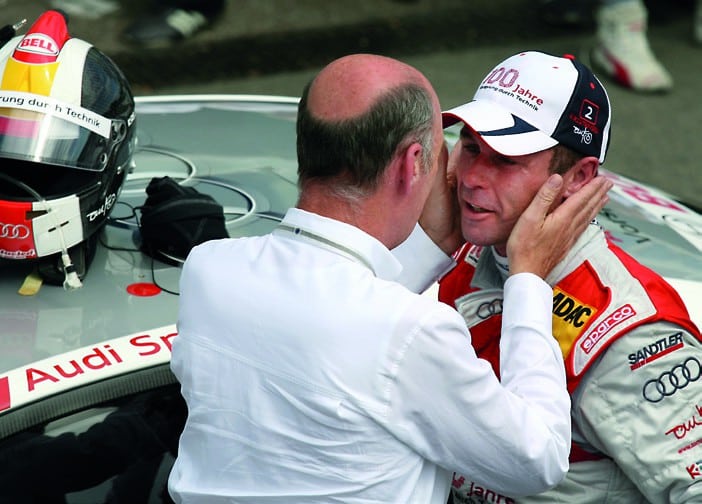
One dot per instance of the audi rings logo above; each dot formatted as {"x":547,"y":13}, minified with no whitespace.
{"x":671,"y":381}
{"x":489,"y":309}
{"x":14,"y":231}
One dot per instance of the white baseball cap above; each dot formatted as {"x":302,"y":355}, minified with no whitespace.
{"x":532,"y":101}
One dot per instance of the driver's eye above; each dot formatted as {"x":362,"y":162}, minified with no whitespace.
{"x":471,"y":148}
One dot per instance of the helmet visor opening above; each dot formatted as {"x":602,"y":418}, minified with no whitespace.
{"x":69,"y":136}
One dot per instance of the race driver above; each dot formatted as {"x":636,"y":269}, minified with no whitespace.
{"x":633,"y":356}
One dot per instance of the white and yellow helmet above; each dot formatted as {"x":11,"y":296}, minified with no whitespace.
{"x":67,"y":136}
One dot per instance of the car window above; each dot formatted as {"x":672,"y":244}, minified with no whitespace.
{"x":119,"y":451}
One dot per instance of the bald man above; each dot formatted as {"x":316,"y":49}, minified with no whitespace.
{"x":311,"y":374}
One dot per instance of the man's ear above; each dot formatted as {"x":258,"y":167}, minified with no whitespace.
{"x":580,"y":174}
{"x":409,"y":167}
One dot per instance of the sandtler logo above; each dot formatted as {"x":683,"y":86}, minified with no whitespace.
{"x":656,"y":350}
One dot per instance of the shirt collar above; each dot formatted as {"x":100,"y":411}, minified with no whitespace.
{"x":346,"y":240}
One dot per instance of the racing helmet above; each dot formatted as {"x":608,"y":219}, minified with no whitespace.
{"x":67,"y":136}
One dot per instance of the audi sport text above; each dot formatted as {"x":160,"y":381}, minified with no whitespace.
{"x":85,"y":365}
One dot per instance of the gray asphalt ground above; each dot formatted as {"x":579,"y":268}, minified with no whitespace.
{"x":276,"y":46}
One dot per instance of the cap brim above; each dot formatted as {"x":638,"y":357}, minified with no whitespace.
{"x":502,"y":131}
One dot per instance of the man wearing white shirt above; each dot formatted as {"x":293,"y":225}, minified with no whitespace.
{"x":312,"y":374}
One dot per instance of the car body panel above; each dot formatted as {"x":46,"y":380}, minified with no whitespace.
{"x":193,"y":142}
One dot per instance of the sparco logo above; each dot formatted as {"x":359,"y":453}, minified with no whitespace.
{"x":671,"y":381}
{"x":616,"y":318}
{"x":14,"y":231}
{"x":489,"y":309}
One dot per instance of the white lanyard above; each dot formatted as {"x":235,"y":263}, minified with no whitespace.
{"x":321,"y":239}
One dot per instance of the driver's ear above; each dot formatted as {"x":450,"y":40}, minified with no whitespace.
{"x":580,"y":174}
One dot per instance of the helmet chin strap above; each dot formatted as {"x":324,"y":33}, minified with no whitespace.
{"x":71,"y":280}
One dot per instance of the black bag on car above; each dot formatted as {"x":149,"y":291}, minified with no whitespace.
{"x":175,"y":218}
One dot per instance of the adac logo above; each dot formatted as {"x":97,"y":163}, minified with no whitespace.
{"x":570,"y":309}
{"x":570,"y":317}
{"x":39,"y":43}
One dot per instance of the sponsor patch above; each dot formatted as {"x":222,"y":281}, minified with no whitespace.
{"x":39,"y":43}
{"x":571,"y":310}
{"x":471,"y":492}
{"x":570,"y":317}
{"x":74,"y":114}
{"x":683,"y":429}
{"x":690,"y":446}
{"x":479,"y":306}
{"x":655,"y":350}
{"x":16,"y":234}
{"x":695,"y":469}
{"x":610,"y":322}
{"x":668,"y":383}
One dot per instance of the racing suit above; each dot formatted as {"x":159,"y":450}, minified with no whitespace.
{"x":634,"y":370}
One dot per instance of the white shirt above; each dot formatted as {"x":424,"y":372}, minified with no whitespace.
{"x":311,"y":376}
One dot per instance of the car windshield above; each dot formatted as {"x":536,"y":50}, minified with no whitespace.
{"x":117,"y":451}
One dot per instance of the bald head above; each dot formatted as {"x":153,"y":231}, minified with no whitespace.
{"x":356,"y":115}
{"x":351,"y":85}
